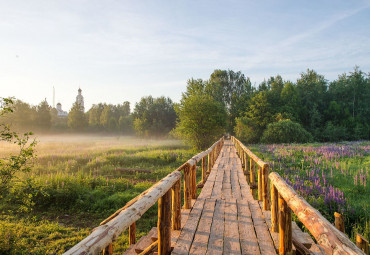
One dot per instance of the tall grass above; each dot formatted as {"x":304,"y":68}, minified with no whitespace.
{"x":75,"y":183}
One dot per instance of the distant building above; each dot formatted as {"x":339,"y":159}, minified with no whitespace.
{"x":80,"y":100}
{"x":61,"y":113}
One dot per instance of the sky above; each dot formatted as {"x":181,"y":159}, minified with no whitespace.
{"x":118,"y":51}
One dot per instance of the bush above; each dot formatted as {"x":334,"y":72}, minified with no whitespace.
{"x":285,"y":131}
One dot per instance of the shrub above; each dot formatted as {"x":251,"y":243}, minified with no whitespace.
{"x":285,"y":131}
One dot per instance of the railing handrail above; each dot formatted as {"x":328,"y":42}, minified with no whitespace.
{"x":258,"y":161}
{"x":327,"y":236}
{"x":102,"y":236}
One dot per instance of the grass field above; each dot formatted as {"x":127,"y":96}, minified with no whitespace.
{"x":331,"y":177}
{"x":78,"y":181}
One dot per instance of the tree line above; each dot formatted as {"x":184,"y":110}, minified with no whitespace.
{"x":277,"y":110}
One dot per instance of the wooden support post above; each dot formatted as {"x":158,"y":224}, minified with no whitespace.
{"x":204,"y":169}
{"x":108,"y":250}
{"x":259,"y":183}
{"x":209,"y":162}
{"x":246,"y":164}
{"x":339,"y":221}
{"x":187,"y":191}
{"x":176,"y":205}
{"x":251,"y":171}
{"x":132,"y":234}
{"x":274,"y":209}
{"x":285,"y":228}
{"x":164,"y":224}
{"x":243,"y":158}
{"x":265,"y":182}
{"x":193,"y":176}
{"x":362,"y":243}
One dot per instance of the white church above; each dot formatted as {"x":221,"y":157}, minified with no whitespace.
{"x":79,"y":100}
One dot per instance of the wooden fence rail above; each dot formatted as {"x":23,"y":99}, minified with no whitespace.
{"x":332,"y":240}
{"x":168,"y":194}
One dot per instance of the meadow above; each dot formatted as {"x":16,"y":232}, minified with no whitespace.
{"x":78,"y":181}
{"x":331,"y":177}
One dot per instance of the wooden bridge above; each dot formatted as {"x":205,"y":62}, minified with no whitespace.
{"x":234,"y":213}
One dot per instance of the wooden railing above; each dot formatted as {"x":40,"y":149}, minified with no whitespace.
{"x":168,"y":194}
{"x":249,"y":162}
{"x":284,"y":200}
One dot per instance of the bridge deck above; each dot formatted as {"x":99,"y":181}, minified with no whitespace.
{"x":225,"y":218}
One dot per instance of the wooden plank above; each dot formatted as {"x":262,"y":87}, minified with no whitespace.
{"x":263,"y":234}
{"x":217,"y":189}
{"x":248,"y":238}
{"x":185,"y":239}
{"x":226,"y":185}
{"x":200,"y":242}
{"x":235,"y":186}
{"x":208,"y":186}
{"x":244,"y":186}
{"x":231,"y":233}
{"x":216,"y":239}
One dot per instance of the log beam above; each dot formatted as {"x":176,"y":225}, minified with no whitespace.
{"x":327,"y":236}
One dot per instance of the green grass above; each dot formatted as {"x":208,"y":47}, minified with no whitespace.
{"x":75,"y":184}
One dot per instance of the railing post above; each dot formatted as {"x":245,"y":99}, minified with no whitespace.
{"x":204,"y":170}
{"x":242,"y":157}
{"x":132,"y":232}
{"x":209,"y":162}
{"x":251,"y":172}
{"x":265,"y":182}
{"x":285,"y":228}
{"x":339,"y":221}
{"x":193,"y":176}
{"x":164,"y":224}
{"x":187,"y":191}
{"x":108,"y":250}
{"x":274,"y":209}
{"x":260,"y":183}
{"x":176,"y":205}
{"x":362,"y":243}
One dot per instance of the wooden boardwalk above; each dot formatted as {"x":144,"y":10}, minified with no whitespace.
{"x":225,"y":218}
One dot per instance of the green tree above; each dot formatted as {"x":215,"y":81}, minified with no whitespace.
{"x":201,"y":120}
{"x":20,"y":162}
{"x":233,"y":89}
{"x":154,"y":116}
{"x":76,"y":118}
{"x":43,"y":116}
{"x":312,"y":88}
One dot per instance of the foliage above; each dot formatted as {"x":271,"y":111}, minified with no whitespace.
{"x":246,"y":130}
{"x":202,"y":120}
{"x":43,"y":115}
{"x":285,"y":131}
{"x":76,"y":118}
{"x":10,"y":166}
{"x":154,"y":116}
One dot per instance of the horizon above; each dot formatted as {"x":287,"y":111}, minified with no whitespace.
{"x":122,"y":51}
